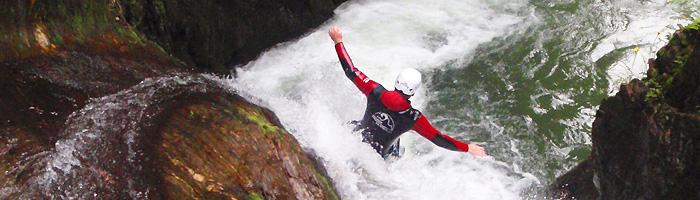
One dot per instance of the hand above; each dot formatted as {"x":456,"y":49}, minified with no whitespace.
{"x":335,"y":34}
{"x":476,"y":150}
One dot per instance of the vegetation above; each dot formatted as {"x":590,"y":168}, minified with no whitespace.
{"x":675,"y":56}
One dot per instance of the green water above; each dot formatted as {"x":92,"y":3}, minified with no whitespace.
{"x":530,"y":97}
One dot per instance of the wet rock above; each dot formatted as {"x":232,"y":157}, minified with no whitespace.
{"x":646,"y":138}
{"x":43,"y":96}
{"x":226,"y":148}
{"x":91,"y":109}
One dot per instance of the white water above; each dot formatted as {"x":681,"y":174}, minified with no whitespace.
{"x":649,"y":25}
{"x":94,"y":135}
{"x":302,"y":82}
{"x":305,"y":86}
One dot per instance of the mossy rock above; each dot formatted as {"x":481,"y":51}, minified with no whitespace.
{"x":41,"y":28}
{"x":674,"y":73}
{"x":209,"y":152}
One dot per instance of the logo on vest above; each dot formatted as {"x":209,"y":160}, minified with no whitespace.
{"x":383,"y":121}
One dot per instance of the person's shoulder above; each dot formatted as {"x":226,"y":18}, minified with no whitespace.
{"x":381,"y":88}
{"x":377,"y":91}
{"x":394,"y":101}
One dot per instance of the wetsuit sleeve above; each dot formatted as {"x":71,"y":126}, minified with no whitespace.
{"x":426,"y":130}
{"x":363,"y":83}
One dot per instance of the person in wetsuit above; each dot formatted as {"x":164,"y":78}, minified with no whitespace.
{"x":389,"y":113}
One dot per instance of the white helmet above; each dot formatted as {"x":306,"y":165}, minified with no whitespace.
{"x":408,"y":81}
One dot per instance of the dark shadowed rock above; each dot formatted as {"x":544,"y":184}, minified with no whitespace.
{"x":93,"y":110}
{"x":646,"y":138}
{"x":216,"y":35}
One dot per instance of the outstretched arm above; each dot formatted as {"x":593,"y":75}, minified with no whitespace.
{"x":361,"y":81}
{"x":426,"y":130}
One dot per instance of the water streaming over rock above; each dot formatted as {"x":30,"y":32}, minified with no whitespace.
{"x":523,"y":79}
{"x":104,"y":138}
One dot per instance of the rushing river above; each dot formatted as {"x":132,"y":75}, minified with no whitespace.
{"x":521,"y":78}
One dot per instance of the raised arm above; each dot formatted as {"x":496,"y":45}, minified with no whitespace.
{"x":360,"y":80}
{"x":426,"y":130}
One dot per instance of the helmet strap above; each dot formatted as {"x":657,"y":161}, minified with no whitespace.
{"x":405,"y":96}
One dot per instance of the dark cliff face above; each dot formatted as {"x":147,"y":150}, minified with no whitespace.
{"x":646,"y":138}
{"x":92,"y":109}
{"x":217,"y":35}
{"x":213,"y":36}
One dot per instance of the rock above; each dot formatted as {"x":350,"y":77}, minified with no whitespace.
{"x":578,"y":182}
{"x":646,"y":138}
{"x":239,"y":148}
{"x":91,"y":109}
{"x":217,"y":35}
{"x":213,"y":36}
{"x":52,"y":28}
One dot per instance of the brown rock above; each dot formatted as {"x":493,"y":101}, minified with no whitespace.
{"x":239,"y":147}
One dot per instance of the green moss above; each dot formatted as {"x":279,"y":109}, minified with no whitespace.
{"x":61,"y":10}
{"x":654,"y":89}
{"x":78,"y":25}
{"x":158,"y":47}
{"x":130,"y":35}
{"x":161,"y":8}
{"x":254,"y":196}
{"x":79,"y":40}
{"x":694,"y":26}
{"x":269,"y":128}
{"x":227,"y":111}
{"x":21,"y":46}
{"x":255,"y":116}
{"x":659,"y":83}
{"x":680,"y":61}
{"x":134,"y":36}
{"x":327,"y":187}
{"x":57,"y":39}
{"x":669,"y":81}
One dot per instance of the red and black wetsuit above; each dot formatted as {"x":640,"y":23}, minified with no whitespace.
{"x":389,"y":114}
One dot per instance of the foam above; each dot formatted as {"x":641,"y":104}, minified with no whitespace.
{"x":649,"y":23}
{"x":303,"y":83}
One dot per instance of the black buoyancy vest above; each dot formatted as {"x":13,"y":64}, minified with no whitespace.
{"x":384,"y":125}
